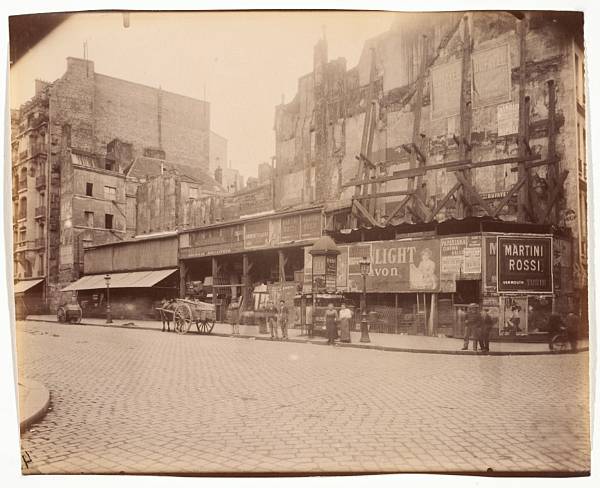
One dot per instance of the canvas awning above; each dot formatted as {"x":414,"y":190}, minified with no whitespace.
{"x":23,"y":286}
{"x":134,"y":279}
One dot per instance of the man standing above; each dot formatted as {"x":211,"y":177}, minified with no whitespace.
{"x":271,"y":313}
{"x":573,"y":329}
{"x":472,"y":326}
{"x":282,"y":319}
{"x":486,"y":327}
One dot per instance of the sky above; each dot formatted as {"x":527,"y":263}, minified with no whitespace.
{"x":243,"y":62}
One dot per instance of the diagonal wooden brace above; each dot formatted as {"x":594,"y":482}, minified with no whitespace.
{"x":508,"y":196}
{"x":397,"y":209}
{"x":473,"y":193}
{"x":444,"y":201}
{"x":362,"y":210}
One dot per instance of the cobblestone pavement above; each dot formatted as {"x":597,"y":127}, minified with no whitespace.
{"x":142,"y":401}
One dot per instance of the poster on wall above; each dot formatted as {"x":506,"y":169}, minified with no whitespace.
{"x":445,"y":81}
{"x":491,"y":262}
{"x":461,"y":256}
{"x":525,"y":264}
{"x":491,"y":76}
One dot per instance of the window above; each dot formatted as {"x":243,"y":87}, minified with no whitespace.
{"x":89,"y":189}
{"x":110,"y":193}
{"x":89,"y":219}
{"x":109,"y":165}
{"x":193,"y":192}
{"x":23,"y":235}
{"x":108,"y":221}
{"x":23,"y":208}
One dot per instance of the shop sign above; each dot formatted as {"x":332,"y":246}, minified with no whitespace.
{"x":398,"y":267}
{"x":525,"y":264}
{"x":256,"y":234}
{"x":212,"y":242}
{"x":290,"y":228}
{"x":310,"y":226}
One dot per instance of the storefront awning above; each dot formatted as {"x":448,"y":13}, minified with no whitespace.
{"x":23,"y":286}
{"x":134,"y":279}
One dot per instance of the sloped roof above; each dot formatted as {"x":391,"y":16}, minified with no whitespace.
{"x":144,"y":167}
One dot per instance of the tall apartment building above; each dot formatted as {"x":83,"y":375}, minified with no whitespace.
{"x":72,"y":145}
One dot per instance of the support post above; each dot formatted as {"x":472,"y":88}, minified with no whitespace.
{"x":523,"y":196}
{"x":465,"y":116}
{"x":183,"y":271}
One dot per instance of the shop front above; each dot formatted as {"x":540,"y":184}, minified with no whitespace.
{"x":29,"y":297}
{"x":135,"y":276}
{"x":262,"y":253}
{"x":423,"y":285}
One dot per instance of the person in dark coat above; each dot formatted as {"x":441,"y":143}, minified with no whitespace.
{"x":486,"y":326}
{"x":573,"y":329}
{"x":555,"y":323}
{"x":271,"y":316}
{"x":331,"y":318}
{"x":282,"y":319}
{"x":472,"y":326}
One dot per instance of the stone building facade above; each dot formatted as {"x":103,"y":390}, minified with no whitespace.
{"x":413,"y":76}
{"x":72,"y":145}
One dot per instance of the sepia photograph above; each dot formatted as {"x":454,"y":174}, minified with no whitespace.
{"x":298,"y":243}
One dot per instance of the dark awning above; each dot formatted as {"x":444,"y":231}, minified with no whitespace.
{"x":23,"y":286}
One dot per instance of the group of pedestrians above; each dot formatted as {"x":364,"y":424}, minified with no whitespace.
{"x":333,"y":318}
{"x":277,"y":317}
{"x":478,"y":327}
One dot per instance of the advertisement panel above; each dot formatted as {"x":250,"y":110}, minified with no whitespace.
{"x":256,"y":234}
{"x":310,"y":226}
{"x":461,"y":256}
{"x":290,"y":228}
{"x":525,"y":264}
{"x":397,"y":266}
{"x":491,"y":262}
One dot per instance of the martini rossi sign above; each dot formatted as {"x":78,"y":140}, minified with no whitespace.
{"x":524,"y":264}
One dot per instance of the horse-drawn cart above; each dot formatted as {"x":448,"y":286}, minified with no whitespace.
{"x":185,"y":312}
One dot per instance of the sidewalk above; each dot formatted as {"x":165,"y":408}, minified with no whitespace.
{"x":34,"y":400}
{"x":385,"y":342}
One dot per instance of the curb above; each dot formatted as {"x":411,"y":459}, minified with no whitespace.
{"x":354,"y":345}
{"x":43,"y":396}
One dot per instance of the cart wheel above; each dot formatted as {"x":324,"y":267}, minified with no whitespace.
{"x":77,"y":319}
{"x":559,"y":343}
{"x":61,"y":315}
{"x":182,"y":318}
{"x":205,"y":326}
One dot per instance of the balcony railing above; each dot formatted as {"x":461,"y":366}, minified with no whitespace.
{"x":22,"y":184}
{"x":40,"y":212}
{"x":40,"y":182}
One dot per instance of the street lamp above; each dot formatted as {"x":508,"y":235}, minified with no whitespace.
{"x":108,"y":316}
{"x":365,"y":267}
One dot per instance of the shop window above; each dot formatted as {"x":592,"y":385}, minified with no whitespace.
{"x":110,"y":193}
{"x":89,"y":189}
{"x":89,"y":219}
{"x":108,"y":221}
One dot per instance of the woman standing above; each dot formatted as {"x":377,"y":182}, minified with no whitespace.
{"x":345,"y":317}
{"x":331,"y":318}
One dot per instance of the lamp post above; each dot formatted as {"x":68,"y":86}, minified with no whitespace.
{"x":108,"y":315}
{"x":365,"y":267}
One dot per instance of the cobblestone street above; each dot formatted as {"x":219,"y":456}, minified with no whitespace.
{"x":145,"y":401}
